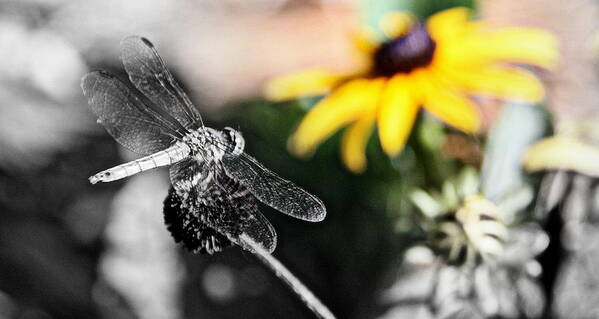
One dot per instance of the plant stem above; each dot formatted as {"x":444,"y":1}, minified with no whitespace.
{"x":311,"y":301}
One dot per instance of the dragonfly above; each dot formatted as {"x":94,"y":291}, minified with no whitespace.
{"x":216,"y":185}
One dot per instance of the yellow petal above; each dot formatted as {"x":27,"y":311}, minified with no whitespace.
{"x":365,"y":40}
{"x":396,"y":115}
{"x":353,"y":145}
{"x":516,"y":45}
{"x":344,"y":105}
{"x":563,"y":153}
{"x":304,"y":83}
{"x":448,"y":23}
{"x":447,"y":104}
{"x":507,"y":83}
{"x":396,"y":24}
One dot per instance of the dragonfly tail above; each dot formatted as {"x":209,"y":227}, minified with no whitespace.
{"x":165,"y":157}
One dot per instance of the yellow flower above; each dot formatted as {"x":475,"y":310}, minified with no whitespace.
{"x":436,"y":66}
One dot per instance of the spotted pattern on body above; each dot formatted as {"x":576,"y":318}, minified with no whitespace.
{"x":216,"y":200}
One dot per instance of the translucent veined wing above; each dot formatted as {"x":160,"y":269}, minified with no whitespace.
{"x":232,"y":210}
{"x":200,"y":217}
{"x":148,"y":72}
{"x":258,"y":228}
{"x":132,"y":123}
{"x":273,"y":190}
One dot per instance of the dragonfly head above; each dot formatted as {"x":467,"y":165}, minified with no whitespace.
{"x":234,"y":141}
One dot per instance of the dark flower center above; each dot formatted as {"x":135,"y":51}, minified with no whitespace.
{"x":404,"y":54}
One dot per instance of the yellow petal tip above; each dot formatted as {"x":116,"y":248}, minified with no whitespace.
{"x":356,"y":168}
{"x":392,"y":150}
{"x":310,"y":82}
{"x":355,"y":165}
{"x":395,"y":24}
{"x":298,"y":149}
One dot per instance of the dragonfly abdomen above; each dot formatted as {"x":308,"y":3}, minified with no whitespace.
{"x":165,"y":157}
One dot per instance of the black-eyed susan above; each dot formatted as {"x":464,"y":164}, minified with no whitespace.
{"x":437,"y":65}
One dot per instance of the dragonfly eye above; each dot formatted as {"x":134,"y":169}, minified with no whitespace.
{"x":235,"y":142}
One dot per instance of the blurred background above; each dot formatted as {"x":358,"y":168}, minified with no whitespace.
{"x":72,"y":250}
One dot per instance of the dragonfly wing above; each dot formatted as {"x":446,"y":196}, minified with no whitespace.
{"x":254,"y":225}
{"x":259,"y":229}
{"x":226,"y":206}
{"x":125,"y":116}
{"x":148,"y":72}
{"x":273,"y":190}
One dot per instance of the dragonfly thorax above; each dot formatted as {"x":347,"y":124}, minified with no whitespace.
{"x":211,"y":145}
